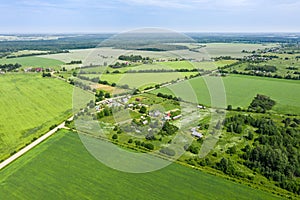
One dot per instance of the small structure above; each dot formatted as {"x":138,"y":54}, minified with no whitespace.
{"x":130,"y":105}
{"x":38,"y":69}
{"x":201,"y":107}
{"x":177,"y":117}
{"x":196,"y":134}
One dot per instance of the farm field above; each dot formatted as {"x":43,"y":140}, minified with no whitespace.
{"x":222,"y":49}
{"x":174,"y":65}
{"x":51,"y":171}
{"x":29,"y":105}
{"x":98,"y":56}
{"x":141,"y":80}
{"x":286,"y":64}
{"x":33,"y":61}
{"x":240,"y":90}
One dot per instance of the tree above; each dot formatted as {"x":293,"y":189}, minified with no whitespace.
{"x":261,"y":104}
{"x":229,"y":107}
{"x":107,"y":95}
{"x":169,"y":129}
{"x":130,"y":141}
{"x":143,"y":110}
{"x":115,"y":136}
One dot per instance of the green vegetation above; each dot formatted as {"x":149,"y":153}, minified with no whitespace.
{"x":240,"y":91}
{"x":33,"y":61}
{"x":274,"y":151}
{"x":140,"y":80}
{"x":63,"y":167}
{"x":261,"y":104}
{"x":29,"y":105}
{"x":9,"y":67}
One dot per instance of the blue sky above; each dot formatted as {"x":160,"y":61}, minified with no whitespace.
{"x":67,"y":16}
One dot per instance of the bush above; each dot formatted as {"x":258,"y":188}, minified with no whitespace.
{"x":115,"y":136}
{"x":148,"y":146}
{"x":167,"y":151}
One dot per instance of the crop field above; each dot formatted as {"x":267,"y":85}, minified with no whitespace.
{"x":240,"y":90}
{"x":33,"y":61}
{"x":26,"y":52}
{"x":174,"y":65}
{"x":222,"y":49}
{"x":285,"y":64}
{"x":50,"y":171}
{"x":141,"y":80}
{"x":108,"y":88}
{"x":233,"y":49}
{"x":98,"y":56}
{"x":29,"y":105}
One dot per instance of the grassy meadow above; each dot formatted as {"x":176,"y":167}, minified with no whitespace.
{"x":141,"y":80}
{"x":61,"y":167}
{"x":29,"y":105}
{"x":33,"y":61}
{"x":240,"y":90}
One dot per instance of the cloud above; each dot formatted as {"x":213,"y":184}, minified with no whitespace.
{"x":192,"y":4}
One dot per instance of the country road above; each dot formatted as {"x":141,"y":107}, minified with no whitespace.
{"x":31,"y":146}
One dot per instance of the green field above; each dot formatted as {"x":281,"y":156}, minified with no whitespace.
{"x":174,"y":65}
{"x":233,"y":49}
{"x":282,"y":64}
{"x":141,"y":80}
{"x":33,"y":61}
{"x":61,"y":167}
{"x":29,"y":105}
{"x":240,"y":90}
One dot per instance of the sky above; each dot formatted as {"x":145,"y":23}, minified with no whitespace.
{"x":94,"y":16}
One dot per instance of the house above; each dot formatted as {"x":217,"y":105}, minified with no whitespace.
{"x":28,"y":69}
{"x":195,"y":133}
{"x":125,"y":100}
{"x":38,"y":69}
{"x":201,"y":107}
{"x":145,"y":122}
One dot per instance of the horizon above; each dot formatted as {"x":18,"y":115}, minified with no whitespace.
{"x":91,"y":16}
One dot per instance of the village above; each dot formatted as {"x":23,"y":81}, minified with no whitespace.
{"x":146,"y":118}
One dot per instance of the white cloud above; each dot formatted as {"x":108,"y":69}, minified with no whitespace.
{"x":200,"y":4}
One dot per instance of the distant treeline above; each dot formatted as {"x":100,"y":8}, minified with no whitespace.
{"x":37,"y":54}
{"x":93,"y":40}
{"x":74,"y":62}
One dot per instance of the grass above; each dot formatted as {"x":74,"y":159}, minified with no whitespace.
{"x":141,"y":80}
{"x":61,"y":167}
{"x":29,"y":105}
{"x":33,"y":61}
{"x":205,"y":65}
{"x":280,"y":63}
{"x":240,"y":90}
{"x":233,"y":49}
